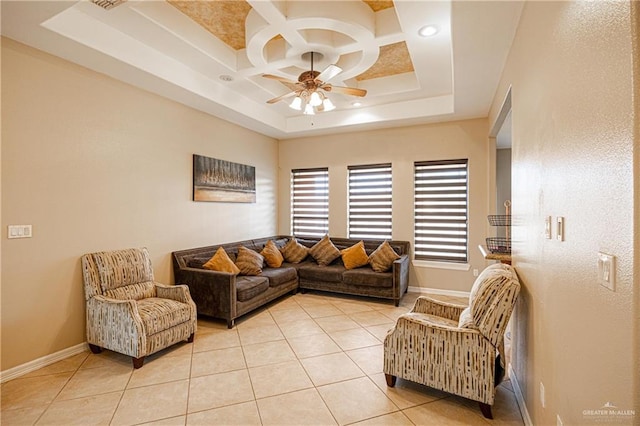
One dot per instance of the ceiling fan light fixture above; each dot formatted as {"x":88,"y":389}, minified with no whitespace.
{"x":308,"y":110}
{"x":328,"y":105}
{"x":315,"y":99}
{"x":296,"y":103}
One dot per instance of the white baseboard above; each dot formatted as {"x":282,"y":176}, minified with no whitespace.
{"x":453,"y":293}
{"x":519,"y":397}
{"x":30,"y":366}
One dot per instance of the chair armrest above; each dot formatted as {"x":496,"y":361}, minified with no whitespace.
{"x":178,"y":292}
{"x":116,"y":325}
{"x":426,"y":305}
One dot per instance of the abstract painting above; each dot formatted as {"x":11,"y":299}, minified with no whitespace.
{"x":223,"y":181}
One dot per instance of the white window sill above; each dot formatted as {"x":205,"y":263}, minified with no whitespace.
{"x":441,"y":265}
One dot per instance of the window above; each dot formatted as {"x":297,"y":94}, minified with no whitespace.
{"x":310,"y":202}
{"x":370,"y":201}
{"x":441,"y":210}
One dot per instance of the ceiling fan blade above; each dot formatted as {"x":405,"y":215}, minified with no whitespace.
{"x":281,"y":79}
{"x":279,"y":98}
{"x":346,"y":90}
{"x":329,"y":72}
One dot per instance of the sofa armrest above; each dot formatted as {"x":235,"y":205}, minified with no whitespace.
{"x":116,"y":325}
{"x":214,"y":293}
{"x":400,"y":269}
{"x":426,"y":305}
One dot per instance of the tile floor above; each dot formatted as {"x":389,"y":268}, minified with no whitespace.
{"x":307,"y":359}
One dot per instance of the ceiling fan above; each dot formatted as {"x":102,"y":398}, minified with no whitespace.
{"x":310,"y":87}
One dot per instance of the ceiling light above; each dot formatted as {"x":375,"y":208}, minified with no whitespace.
{"x":314,"y":99}
{"x":356,"y":104}
{"x":312,"y":88}
{"x":296,"y":103}
{"x":328,"y":105}
{"x":428,"y":30}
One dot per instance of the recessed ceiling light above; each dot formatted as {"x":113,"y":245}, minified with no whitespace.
{"x":428,"y":30}
{"x":356,"y":104}
{"x":225,"y":77}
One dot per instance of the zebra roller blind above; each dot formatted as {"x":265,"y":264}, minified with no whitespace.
{"x":441,"y":231}
{"x":370,"y":201}
{"x":310,"y":202}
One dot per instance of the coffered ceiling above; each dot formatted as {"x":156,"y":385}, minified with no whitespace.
{"x":211,"y":55}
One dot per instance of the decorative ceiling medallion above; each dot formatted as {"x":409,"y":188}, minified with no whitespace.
{"x":223,"y":19}
{"x":305,"y":26}
{"x":394,"y":59}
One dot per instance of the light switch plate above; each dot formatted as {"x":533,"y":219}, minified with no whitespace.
{"x":19,"y":231}
{"x":547,"y":227}
{"x":607,"y":270}
{"x":560,"y":228}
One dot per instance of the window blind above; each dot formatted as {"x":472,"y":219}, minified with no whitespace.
{"x":440,"y":209}
{"x":370,"y":201}
{"x":310,"y":202}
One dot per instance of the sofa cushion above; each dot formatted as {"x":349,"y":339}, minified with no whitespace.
{"x":279,"y":276}
{"x":354,"y":256}
{"x":367,"y":277}
{"x":294,"y":252}
{"x":221,"y":262}
{"x":383,"y":257}
{"x":161,"y":314}
{"x":324,"y":252}
{"x":249,"y":262}
{"x":272,"y":255}
{"x":312,"y":272}
{"x":248,"y":287}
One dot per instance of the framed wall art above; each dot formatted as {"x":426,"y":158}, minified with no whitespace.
{"x":223,"y":181}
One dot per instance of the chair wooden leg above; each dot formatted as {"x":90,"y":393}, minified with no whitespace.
{"x":137,"y":362}
{"x":95,"y":348}
{"x":190,"y":339}
{"x":391,"y":380}
{"x":486,"y":410}
{"x":230,"y":323}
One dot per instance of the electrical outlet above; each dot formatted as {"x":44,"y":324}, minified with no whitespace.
{"x":542,"y":395}
{"x":475,"y":272}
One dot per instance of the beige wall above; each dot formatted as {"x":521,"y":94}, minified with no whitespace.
{"x":402,"y":147}
{"x":94,"y":164}
{"x":570,"y":69}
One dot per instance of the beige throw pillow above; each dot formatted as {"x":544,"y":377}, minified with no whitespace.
{"x":249,"y":262}
{"x":354,"y":256}
{"x":272,"y":254}
{"x":324,"y":252}
{"x":382,"y":258}
{"x":221,"y":262}
{"x":294,"y":252}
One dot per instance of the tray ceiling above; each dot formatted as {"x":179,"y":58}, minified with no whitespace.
{"x":211,"y":55}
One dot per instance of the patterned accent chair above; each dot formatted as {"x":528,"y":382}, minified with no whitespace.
{"x":129,"y":313}
{"x":454,"y":348}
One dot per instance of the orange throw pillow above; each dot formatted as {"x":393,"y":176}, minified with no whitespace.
{"x":354,"y":256}
{"x":222,"y":263}
{"x":272,"y":254}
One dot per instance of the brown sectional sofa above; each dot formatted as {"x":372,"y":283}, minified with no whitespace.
{"x":227,"y":296}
